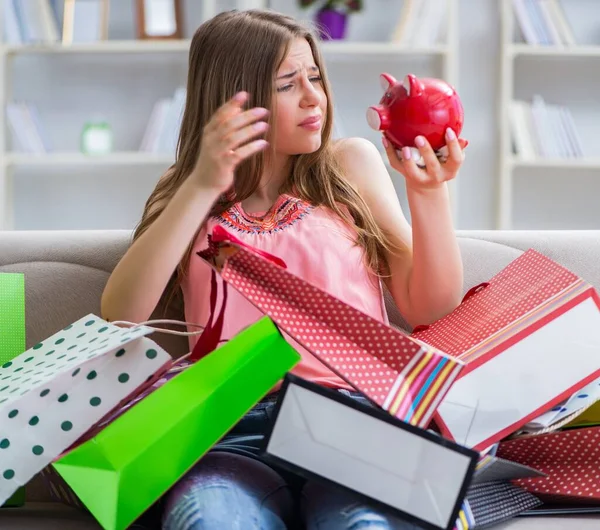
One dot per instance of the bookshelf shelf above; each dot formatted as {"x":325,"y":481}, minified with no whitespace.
{"x":123,"y":158}
{"x":380,"y":48}
{"x":77,"y":159}
{"x":182,"y":46}
{"x":539,"y":122}
{"x":530,"y":50}
{"x":108,"y":46}
{"x":572,"y":163}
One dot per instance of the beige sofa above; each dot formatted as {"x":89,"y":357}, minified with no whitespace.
{"x":65,"y":273}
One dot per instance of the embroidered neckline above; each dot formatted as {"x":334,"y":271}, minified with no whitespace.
{"x":285,"y":212}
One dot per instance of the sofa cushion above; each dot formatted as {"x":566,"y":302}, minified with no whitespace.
{"x":46,"y":516}
{"x":65,"y":274}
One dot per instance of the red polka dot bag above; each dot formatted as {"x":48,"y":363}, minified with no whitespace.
{"x":400,"y":374}
{"x":530,"y":339}
{"x":570,"y":460}
{"x":481,"y":373}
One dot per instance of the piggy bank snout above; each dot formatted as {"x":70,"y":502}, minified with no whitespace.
{"x":378,"y":118}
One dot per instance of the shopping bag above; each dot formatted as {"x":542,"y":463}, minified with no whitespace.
{"x":164,"y":434}
{"x":492,"y":503}
{"x":492,"y":498}
{"x":54,"y":392}
{"x":403,"y":376}
{"x":321,"y":434}
{"x":12,"y":336}
{"x":529,"y":337}
{"x":588,"y":417}
{"x":58,"y":489}
{"x":12,"y":315}
{"x":491,"y":468}
{"x":581,"y":408}
{"x":570,"y":460}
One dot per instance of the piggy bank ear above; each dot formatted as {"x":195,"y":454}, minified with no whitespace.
{"x":413,"y":86}
{"x":386,"y":81}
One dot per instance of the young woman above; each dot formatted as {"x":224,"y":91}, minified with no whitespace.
{"x":255,"y":155}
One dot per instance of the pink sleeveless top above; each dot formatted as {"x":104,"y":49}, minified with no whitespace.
{"x":314,"y":243}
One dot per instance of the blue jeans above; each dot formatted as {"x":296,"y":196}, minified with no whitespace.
{"x":231,"y":489}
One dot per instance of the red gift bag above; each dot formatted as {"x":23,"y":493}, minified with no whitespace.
{"x":570,"y":459}
{"x":401,"y":375}
{"x":530,"y":338}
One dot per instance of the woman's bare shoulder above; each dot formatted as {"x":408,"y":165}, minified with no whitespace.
{"x":360,"y":160}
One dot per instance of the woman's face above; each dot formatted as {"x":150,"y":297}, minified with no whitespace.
{"x":300,"y":102}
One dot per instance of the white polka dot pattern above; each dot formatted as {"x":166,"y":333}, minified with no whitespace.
{"x":570,"y":459}
{"x":523,"y":285}
{"x":363,"y":351}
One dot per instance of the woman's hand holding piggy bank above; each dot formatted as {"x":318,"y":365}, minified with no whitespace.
{"x":421,"y":120}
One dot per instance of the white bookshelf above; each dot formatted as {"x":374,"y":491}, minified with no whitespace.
{"x":363,"y":49}
{"x":122,"y":158}
{"x":516,"y":50}
{"x":582,"y":163}
{"x":540,"y":192}
{"x":440,"y":60}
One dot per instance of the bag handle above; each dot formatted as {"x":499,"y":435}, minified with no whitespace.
{"x":210,"y":338}
{"x":219,"y":235}
{"x":151,"y":324}
{"x":210,"y":335}
{"x":474,"y":290}
{"x":471,"y":292}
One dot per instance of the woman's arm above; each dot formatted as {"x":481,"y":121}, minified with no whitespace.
{"x":426,"y":278}
{"x":139,"y":280}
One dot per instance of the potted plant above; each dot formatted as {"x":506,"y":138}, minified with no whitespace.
{"x":332,"y":16}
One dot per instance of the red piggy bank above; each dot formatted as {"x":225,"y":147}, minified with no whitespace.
{"x":425,"y":107}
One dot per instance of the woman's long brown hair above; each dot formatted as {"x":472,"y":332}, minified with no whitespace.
{"x":242,"y":50}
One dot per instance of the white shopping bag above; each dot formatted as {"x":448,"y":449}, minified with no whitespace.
{"x":54,"y":392}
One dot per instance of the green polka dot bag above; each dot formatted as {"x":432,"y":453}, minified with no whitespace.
{"x":53,"y":393}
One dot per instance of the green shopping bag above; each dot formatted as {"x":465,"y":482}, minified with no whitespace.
{"x":12,"y":315}
{"x":12,"y":336}
{"x":132,"y":462}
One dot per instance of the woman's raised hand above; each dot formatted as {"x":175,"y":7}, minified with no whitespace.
{"x":230,"y":136}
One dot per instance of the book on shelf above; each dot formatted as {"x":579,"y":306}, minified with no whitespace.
{"x":542,"y":130}
{"x":421,"y":23}
{"x":30,"y":21}
{"x":162,"y":130}
{"x":543,"y":22}
{"x":26,"y":127}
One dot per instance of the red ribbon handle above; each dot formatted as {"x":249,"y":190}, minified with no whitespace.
{"x":209,"y":339}
{"x":219,"y":235}
{"x":471,"y":292}
{"x":474,"y":290}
